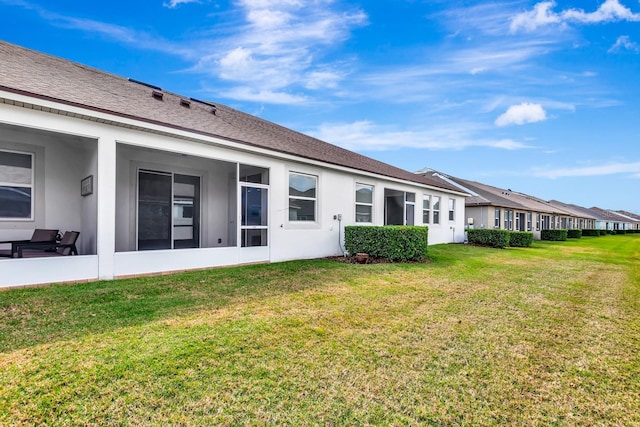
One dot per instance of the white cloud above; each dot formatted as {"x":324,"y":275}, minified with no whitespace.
{"x":175,"y":3}
{"x":521,"y":114}
{"x":279,"y":45}
{"x":609,"y":169}
{"x":624,"y":43}
{"x":543,"y":15}
{"x":268,"y":96}
{"x":539,"y":16}
{"x":365,"y":135}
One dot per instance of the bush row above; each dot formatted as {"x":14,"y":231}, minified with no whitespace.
{"x":574,"y":233}
{"x":596,"y":232}
{"x":521,"y":239}
{"x":393,"y":242}
{"x":497,"y":238}
{"x":556,"y":235}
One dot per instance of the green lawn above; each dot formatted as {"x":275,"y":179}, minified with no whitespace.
{"x":548,"y":335}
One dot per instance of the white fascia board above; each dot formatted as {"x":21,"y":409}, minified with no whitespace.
{"x":116,"y":120}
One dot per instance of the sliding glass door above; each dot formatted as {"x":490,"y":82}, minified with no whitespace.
{"x":168,"y":210}
{"x":186,"y":211}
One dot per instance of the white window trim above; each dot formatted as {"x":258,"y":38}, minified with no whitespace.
{"x":31,"y":186}
{"x":356,"y":203}
{"x":426,"y":196}
{"x":315,"y":199}
{"x":452,"y":210}
{"x":434,"y":210}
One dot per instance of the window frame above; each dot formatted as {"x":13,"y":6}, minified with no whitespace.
{"x":359,"y":185}
{"x":31,"y":186}
{"x":452,"y":209}
{"x":508,"y":219}
{"x":434,"y":211}
{"x":426,"y":211}
{"x":313,"y":199}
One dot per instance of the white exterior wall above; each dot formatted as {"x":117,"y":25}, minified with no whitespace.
{"x":107,"y":217}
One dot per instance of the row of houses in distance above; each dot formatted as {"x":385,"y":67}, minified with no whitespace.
{"x":492,"y":207}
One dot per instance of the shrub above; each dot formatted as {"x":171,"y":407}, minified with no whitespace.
{"x":393,"y":242}
{"x":520,"y":239}
{"x":603,"y":232}
{"x":590,"y":232}
{"x":620,"y":231}
{"x":557,"y":235}
{"x":488,"y":237}
{"x":574,"y":233}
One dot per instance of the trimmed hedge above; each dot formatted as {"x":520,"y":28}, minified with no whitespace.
{"x":557,"y":235}
{"x":574,"y":233}
{"x":520,"y":239}
{"x":603,"y":232}
{"x":590,"y":232}
{"x":393,"y":242}
{"x":494,"y":238}
{"x":620,"y":231}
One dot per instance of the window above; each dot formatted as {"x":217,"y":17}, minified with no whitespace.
{"x":496,"y":224}
{"x":436,"y":209}
{"x":16,"y":185}
{"x":364,"y":203}
{"x":452,"y":209}
{"x":508,"y":219}
{"x":545,"y":222}
{"x":399,"y":207}
{"x":426,"y":208}
{"x":538,"y":222}
{"x":517,"y":222}
{"x":410,"y":207}
{"x":529,"y":219}
{"x":302,"y":197}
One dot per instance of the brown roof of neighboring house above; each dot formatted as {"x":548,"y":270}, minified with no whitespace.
{"x":607,"y":215}
{"x":487,"y":195}
{"x":575,"y":210}
{"x":34,"y":74}
{"x":631,"y":215}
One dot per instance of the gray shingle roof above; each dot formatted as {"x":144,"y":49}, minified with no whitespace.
{"x":42,"y":76}
{"x":487,"y":195}
{"x":606,"y":215}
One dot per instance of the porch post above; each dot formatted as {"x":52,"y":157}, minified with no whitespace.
{"x":106,"y":206}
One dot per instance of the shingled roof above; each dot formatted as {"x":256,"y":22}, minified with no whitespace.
{"x":607,"y":215}
{"x":37,"y":75}
{"x":487,"y":195}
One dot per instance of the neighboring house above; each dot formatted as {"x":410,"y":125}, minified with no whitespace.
{"x":634,"y":218}
{"x":609,"y":220}
{"x":493,"y":207}
{"x":157,"y":182}
{"x":580,"y":217}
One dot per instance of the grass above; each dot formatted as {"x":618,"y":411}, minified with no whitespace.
{"x":548,"y":335}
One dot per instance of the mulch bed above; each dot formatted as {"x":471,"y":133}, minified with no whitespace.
{"x":372,"y":260}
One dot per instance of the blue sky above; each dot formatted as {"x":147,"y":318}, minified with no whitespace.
{"x":536,"y":96}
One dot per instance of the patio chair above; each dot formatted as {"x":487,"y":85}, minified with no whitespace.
{"x":67,"y":246}
{"x":39,"y":235}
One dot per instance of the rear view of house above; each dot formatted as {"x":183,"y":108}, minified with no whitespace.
{"x":155,"y":182}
